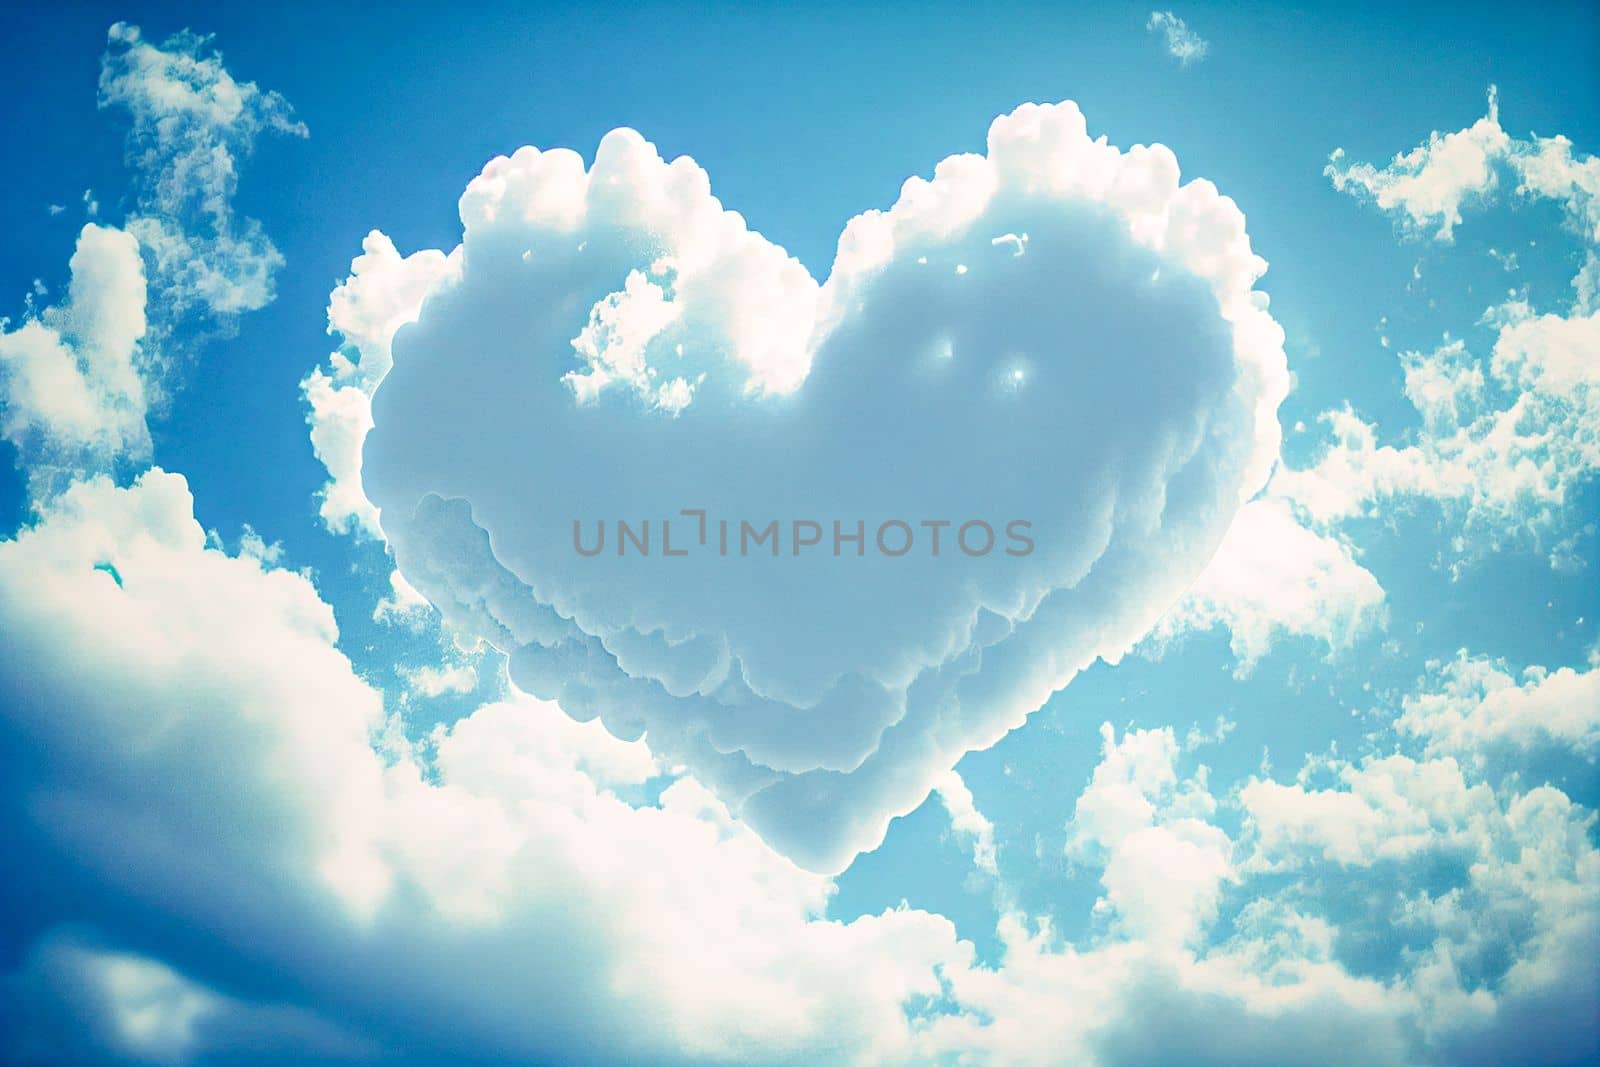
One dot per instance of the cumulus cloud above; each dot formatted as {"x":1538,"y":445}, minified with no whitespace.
{"x":1115,"y":384}
{"x":383,"y":292}
{"x":207,"y":818}
{"x":1273,"y":577}
{"x":196,"y":781}
{"x":1430,"y":185}
{"x":1506,"y":936}
{"x":415,"y":898}
{"x":79,"y":379}
{"x":1269,"y":995}
{"x":1475,"y":706}
{"x":1393,"y":807}
{"x":1163,"y":863}
{"x":1183,"y":44}
{"x":1504,"y":442}
{"x":1511,"y":931}
{"x":192,"y":124}
{"x":71,"y":375}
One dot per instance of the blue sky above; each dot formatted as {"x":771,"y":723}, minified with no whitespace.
{"x":295,"y":787}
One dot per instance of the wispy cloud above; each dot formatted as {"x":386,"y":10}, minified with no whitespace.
{"x":192,"y":124}
{"x":1183,"y":44}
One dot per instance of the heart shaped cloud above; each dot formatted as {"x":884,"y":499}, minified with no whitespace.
{"x":997,"y":443}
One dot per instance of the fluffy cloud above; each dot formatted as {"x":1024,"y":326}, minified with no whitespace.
{"x":415,"y":898}
{"x":275,"y":816}
{"x":1183,"y":44}
{"x":192,"y":123}
{"x":71,"y":377}
{"x":1508,"y":935}
{"x":1476,"y":707}
{"x":248,"y":861}
{"x":968,"y":822}
{"x":1273,"y":577}
{"x":1392,"y":807}
{"x":1270,"y":996}
{"x":1505,"y":443}
{"x":383,"y":292}
{"x":1115,"y":384}
{"x":1429,"y":185}
{"x":1163,"y":863}
{"x":79,"y":379}
{"x":437,"y":681}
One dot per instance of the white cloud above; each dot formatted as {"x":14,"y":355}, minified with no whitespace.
{"x":340,"y":417}
{"x":1476,"y":706}
{"x":120,"y":584}
{"x":968,"y":822}
{"x":868,"y":685}
{"x":429,"y":892}
{"x":1429,"y":185}
{"x":613,"y":344}
{"x":438,"y":681}
{"x":1510,"y":942}
{"x":1506,"y":443}
{"x":71,"y":377}
{"x":194,"y":778}
{"x":404,"y":605}
{"x":1545,"y":168}
{"x":1183,"y":44}
{"x":252,"y":544}
{"x":1273,"y":577}
{"x":383,"y":293}
{"x":1126,"y":1003}
{"x":196,"y":785}
{"x":1163,"y":863}
{"x":79,"y":379}
{"x":146,"y":1011}
{"x":1392,"y":807}
{"x":192,"y":123}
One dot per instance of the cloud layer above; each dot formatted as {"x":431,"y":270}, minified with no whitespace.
{"x":260,"y":860}
{"x":197,"y":781}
